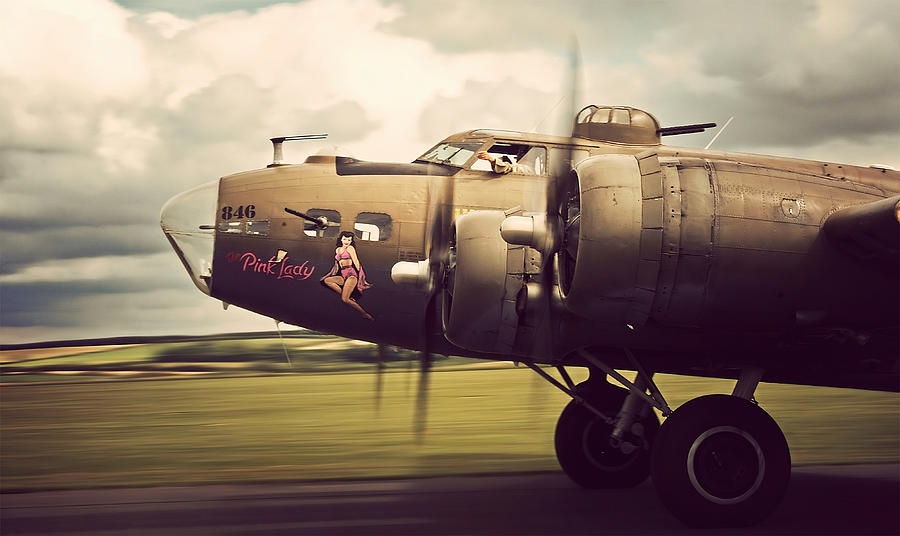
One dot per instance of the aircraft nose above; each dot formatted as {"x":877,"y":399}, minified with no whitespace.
{"x":188,"y":221}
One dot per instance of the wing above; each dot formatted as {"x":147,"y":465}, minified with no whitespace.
{"x":870,"y":232}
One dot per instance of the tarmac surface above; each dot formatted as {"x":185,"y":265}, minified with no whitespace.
{"x":839,"y":499}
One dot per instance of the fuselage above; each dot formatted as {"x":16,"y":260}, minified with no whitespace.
{"x":750,"y":268}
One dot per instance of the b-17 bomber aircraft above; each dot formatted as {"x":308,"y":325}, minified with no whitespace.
{"x":606,"y":250}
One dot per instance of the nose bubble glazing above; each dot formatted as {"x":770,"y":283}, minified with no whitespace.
{"x":188,"y":221}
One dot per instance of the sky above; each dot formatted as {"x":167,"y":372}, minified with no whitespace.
{"x":107,"y":109}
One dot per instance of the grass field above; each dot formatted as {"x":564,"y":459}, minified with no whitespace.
{"x":75,"y":434}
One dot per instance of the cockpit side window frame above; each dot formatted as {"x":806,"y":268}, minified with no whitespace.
{"x":513,"y":148}
{"x":464,"y":145}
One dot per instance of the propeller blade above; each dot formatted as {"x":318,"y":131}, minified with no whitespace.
{"x":421,"y":412}
{"x":560,"y":172}
{"x":437,"y":249}
{"x":561,"y":176}
{"x":425,"y":362}
{"x":379,"y":377}
{"x":437,"y":232}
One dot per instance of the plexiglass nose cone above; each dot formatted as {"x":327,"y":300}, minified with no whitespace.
{"x":188,"y":221}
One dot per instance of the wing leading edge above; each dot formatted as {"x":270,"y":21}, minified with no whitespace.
{"x":870,"y":232}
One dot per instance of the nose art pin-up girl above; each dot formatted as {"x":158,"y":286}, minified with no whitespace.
{"x":347,"y":277}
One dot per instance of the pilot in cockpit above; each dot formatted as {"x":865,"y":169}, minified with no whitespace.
{"x":524,"y":163}
{"x":505,"y":163}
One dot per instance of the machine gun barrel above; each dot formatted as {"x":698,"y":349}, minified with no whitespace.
{"x":684,"y":129}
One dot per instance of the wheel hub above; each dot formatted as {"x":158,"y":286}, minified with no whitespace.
{"x":604,"y":453}
{"x":726,"y":465}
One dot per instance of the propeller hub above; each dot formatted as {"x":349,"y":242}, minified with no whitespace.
{"x":534,"y":231}
{"x":412,"y":274}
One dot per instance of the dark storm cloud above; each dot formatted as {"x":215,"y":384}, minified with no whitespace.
{"x":62,"y":194}
{"x":46,"y":303}
{"x":23,"y":248}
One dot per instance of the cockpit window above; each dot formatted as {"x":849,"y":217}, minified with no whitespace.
{"x":454,"y":154}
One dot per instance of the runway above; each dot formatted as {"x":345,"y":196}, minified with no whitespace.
{"x":851,"y":499}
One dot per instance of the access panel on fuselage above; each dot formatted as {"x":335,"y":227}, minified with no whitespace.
{"x":768,"y":262}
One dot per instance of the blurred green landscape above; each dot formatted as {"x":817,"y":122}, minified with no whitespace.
{"x":213,"y":411}
{"x":296,"y":352}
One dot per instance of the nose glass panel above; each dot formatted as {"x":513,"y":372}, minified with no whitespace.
{"x":188,"y":220}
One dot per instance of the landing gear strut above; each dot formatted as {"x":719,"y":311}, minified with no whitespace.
{"x":588,"y":451}
{"x":717,"y":461}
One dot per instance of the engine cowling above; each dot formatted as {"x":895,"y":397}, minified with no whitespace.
{"x":632,"y":218}
{"x":616,"y":249}
{"x":601,"y":273}
{"x":486,"y":295}
{"x":612,"y":240}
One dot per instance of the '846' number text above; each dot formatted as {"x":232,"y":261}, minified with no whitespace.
{"x":229,"y":212}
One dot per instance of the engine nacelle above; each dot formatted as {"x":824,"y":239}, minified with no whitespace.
{"x":638,"y":240}
{"x":485,"y":302}
{"x":601,"y":273}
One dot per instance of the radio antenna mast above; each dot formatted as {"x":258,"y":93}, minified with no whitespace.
{"x":278,"y":157}
{"x":721,"y":130}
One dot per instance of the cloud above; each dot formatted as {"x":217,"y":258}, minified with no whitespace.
{"x":501,"y":104}
{"x":108,"y":109}
{"x":609,"y":28}
{"x":105,"y":114}
{"x":794,"y":74}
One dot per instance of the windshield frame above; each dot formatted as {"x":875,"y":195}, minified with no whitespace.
{"x":442,"y":154}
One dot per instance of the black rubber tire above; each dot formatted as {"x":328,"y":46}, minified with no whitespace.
{"x":582,"y":441}
{"x":720,"y":461}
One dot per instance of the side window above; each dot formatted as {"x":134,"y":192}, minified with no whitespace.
{"x":231,"y":226}
{"x":601,"y":115}
{"x":534,"y":161}
{"x":620,"y":116}
{"x":249,"y":227}
{"x":258,"y":227}
{"x":332,"y":227}
{"x":526,"y":159}
{"x":373,"y":226}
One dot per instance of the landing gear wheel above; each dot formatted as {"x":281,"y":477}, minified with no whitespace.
{"x":720,"y":461}
{"x":583,"y":443}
